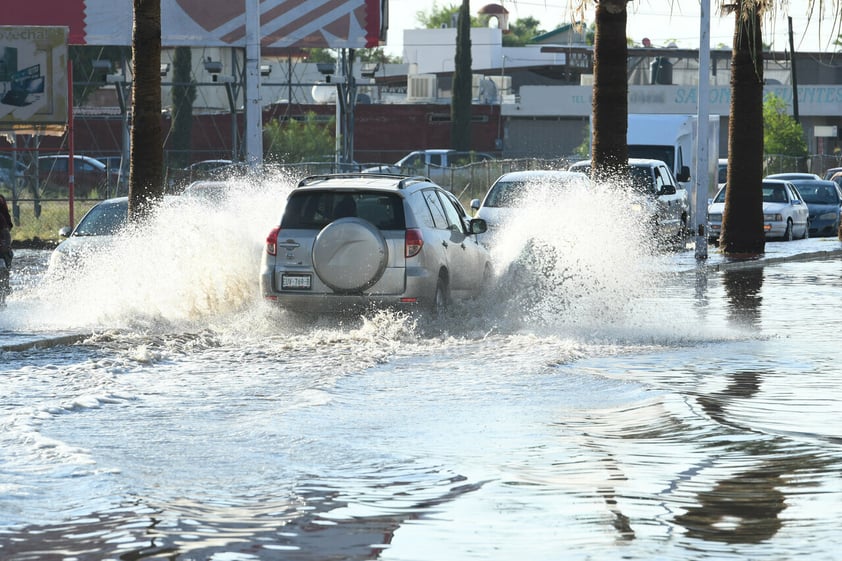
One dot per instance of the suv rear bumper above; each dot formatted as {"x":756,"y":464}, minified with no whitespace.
{"x":420,"y":290}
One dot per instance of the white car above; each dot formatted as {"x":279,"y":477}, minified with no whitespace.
{"x":432,"y":162}
{"x":785,"y":214}
{"x":92,"y":234}
{"x":511,"y":189}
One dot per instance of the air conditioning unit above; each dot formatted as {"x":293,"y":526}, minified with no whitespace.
{"x":421,"y":87}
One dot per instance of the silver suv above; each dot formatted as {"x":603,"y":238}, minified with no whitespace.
{"x":356,"y":240}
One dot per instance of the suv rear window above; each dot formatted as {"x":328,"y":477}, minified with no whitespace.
{"x":313,"y":209}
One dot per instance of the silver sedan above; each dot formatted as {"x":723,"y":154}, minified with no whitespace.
{"x":785,"y":214}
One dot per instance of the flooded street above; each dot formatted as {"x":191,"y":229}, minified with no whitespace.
{"x":631,"y":408}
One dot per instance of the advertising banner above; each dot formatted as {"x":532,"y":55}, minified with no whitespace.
{"x":33,"y":79}
{"x":214,"y":23}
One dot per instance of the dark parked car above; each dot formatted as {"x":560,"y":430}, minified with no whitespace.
{"x":831,"y":172}
{"x":824,"y":200}
{"x":92,"y":178}
{"x":13,"y":174}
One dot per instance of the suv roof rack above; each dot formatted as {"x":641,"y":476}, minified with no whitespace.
{"x":404,"y":181}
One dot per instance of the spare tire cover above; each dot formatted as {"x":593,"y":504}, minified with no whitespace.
{"x":350,"y":254}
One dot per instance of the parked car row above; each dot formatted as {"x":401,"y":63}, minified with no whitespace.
{"x":795,"y":206}
{"x":92,"y":177}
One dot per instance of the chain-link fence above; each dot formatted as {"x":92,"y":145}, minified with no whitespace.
{"x":29,"y":193}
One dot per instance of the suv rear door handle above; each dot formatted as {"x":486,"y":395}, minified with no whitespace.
{"x":444,"y":243}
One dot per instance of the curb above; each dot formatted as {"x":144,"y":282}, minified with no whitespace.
{"x":44,"y":343}
{"x":762,"y":261}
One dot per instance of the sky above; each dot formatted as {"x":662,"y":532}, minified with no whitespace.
{"x":652,"y":19}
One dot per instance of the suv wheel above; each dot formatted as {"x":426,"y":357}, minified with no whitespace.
{"x":350,"y":255}
{"x":441,"y":300}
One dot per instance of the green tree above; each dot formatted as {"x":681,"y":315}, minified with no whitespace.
{"x":742,"y":220}
{"x":782,"y":134}
{"x":183,"y":96}
{"x":295,"y":141}
{"x":146,"y":184}
{"x":521,"y":32}
{"x":460,"y":105}
{"x":376,"y":54}
{"x":441,"y":16}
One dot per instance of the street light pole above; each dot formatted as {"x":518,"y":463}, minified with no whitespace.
{"x":701,"y":172}
{"x":254,"y":110}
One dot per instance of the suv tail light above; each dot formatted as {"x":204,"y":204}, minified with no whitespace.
{"x":414,"y":242}
{"x":272,"y":241}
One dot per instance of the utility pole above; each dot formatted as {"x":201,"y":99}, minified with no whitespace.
{"x":701,"y":174}
{"x":792,"y":70}
{"x":254,"y":109}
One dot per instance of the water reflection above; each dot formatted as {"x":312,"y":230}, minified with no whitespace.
{"x":742,"y":288}
{"x":743,"y":385}
{"x":744,"y":508}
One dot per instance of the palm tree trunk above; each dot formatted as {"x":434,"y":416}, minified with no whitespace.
{"x":146,"y":176}
{"x":742,"y":221}
{"x":610,"y":150}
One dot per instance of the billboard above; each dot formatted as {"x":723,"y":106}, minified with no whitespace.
{"x":214,"y":23}
{"x":33,"y":79}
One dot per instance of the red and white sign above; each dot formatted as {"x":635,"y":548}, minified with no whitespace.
{"x":207,"y":23}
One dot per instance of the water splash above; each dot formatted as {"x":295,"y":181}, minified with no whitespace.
{"x":573,"y":257}
{"x":578,"y":258}
{"x":193,"y":260}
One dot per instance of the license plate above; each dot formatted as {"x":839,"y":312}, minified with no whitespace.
{"x":295,"y":282}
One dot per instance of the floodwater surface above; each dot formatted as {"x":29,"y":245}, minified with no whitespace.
{"x":600,"y":406}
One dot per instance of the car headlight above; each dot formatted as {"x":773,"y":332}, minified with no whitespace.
{"x":773,"y":218}
{"x":828,"y":216}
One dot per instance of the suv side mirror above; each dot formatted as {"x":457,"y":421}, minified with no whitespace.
{"x":684,"y":174}
{"x":475,"y":204}
{"x":668,"y":189}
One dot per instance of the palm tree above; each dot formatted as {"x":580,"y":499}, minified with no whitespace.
{"x":610,"y":91}
{"x":146,"y":176}
{"x":742,"y":221}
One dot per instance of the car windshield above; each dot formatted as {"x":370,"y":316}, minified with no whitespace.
{"x":819,"y":194}
{"x":514,"y":193}
{"x":507,"y":193}
{"x":642,"y":179}
{"x":720,"y":197}
{"x":313,"y":209}
{"x":774,"y":194}
{"x":103,"y":220}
